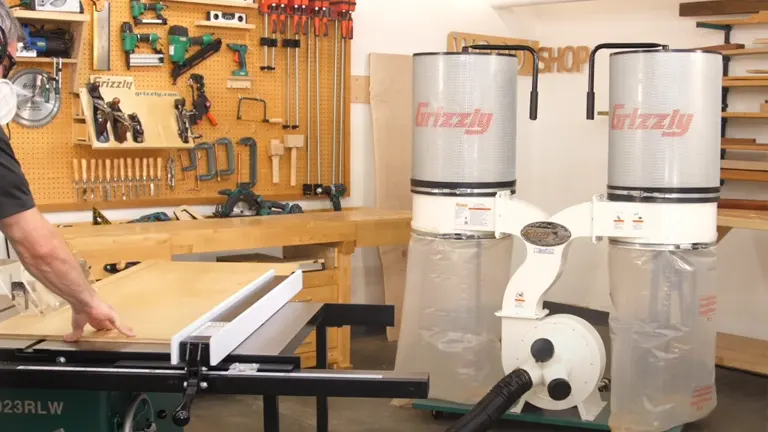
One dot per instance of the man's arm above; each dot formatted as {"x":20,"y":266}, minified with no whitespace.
{"x":46,"y":256}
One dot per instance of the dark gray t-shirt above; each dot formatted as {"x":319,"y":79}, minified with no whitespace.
{"x":15,"y":196}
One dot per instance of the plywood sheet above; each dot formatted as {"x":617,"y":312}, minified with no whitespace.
{"x":156,"y":298}
{"x":392,"y":110}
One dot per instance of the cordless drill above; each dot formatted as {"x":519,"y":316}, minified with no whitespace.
{"x":334,"y":192}
{"x":240,"y":51}
{"x":138,"y":9}
{"x":131,"y":40}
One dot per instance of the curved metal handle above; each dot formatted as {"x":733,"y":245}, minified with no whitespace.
{"x":534,"y":104}
{"x":591,"y":79}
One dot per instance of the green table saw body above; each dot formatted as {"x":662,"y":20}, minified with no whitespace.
{"x":28,"y":410}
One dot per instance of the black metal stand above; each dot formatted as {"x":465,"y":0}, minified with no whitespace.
{"x":322,"y":363}
{"x":271,"y":413}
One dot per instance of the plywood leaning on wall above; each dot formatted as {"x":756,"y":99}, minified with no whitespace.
{"x":392,"y":111}
{"x":46,"y":153}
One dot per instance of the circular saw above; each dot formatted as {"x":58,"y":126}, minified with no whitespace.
{"x":38,"y":96}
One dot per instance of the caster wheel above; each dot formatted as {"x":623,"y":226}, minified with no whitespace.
{"x":437,"y":415}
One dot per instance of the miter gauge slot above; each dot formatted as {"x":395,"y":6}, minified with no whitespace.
{"x":222,"y":329}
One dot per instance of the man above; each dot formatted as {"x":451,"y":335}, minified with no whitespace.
{"x":39,"y":246}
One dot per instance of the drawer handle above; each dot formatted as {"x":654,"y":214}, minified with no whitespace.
{"x":307,"y":300}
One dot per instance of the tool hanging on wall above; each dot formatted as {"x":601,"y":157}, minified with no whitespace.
{"x":184,"y":121}
{"x":321,"y":14}
{"x":297,"y":10}
{"x":93,"y":179}
{"x":294,"y":143}
{"x":259,"y":100}
{"x":115,"y":177}
{"x":342,"y":12}
{"x":144,"y":176}
{"x":307,"y":186}
{"x":229,"y":148}
{"x":84,"y":172}
{"x":170,"y":166}
{"x":101,"y":35}
{"x":129,"y":177}
{"x":120,"y":123}
{"x":130,"y":42}
{"x":240,"y":52}
{"x":200,"y":102}
{"x":138,"y":9}
{"x":288,"y":44}
{"x":276,"y":149}
{"x":100,"y":165}
{"x":252,"y":162}
{"x":179,"y":43}
{"x":108,"y":179}
{"x":212,"y":162}
{"x":137,"y":176}
{"x":38,"y":95}
{"x":122,"y":177}
{"x":271,"y":11}
{"x":102,"y":115}
{"x":76,"y":181}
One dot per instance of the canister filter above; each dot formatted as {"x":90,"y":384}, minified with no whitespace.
{"x":665,"y":126}
{"x":465,"y":108}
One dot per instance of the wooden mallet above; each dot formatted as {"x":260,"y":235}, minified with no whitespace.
{"x":276,"y":150}
{"x":294,"y":142}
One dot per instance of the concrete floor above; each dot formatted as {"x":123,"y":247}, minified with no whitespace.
{"x":742,"y":407}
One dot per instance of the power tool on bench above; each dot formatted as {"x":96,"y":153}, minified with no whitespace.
{"x":334,"y":192}
{"x":179,"y":43}
{"x":243,"y":202}
{"x":138,"y":9}
{"x":44,"y":42}
{"x":131,"y":40}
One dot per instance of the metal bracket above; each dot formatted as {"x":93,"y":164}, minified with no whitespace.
{"x":194,"y":369}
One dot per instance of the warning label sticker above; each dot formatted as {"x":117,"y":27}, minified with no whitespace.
{"x":474,"y":214}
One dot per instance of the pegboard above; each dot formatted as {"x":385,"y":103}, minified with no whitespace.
{"x":46,"y":153}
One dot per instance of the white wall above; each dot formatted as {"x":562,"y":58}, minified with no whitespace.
{"x":563,"y":149}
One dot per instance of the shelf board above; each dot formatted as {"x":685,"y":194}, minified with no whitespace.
{"x":758,"y":18}
{"x":226,"y":25}
{"x":744,"y":165}
{"x":757,"y":71}
{"x":748,"y":81}
{"x":745,"y":147}
{"x":748,"y":115}
{"x":23,"y":14}
{"x":743,"y":175}
{"x":43,"y":60}
{"x":745,"y":51}
{"x":230,"y":3}
{"x":132,"y":146}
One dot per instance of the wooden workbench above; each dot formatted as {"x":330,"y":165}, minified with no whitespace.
{"x":334,"y":235}
{"x":342,"y":232}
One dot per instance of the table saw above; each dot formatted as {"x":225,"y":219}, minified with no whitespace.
{"x":242,"y":343}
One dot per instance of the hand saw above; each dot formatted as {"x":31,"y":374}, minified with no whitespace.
{"x":101,"y":35}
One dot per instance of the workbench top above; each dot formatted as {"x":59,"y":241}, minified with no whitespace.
{"x":363,"y":226}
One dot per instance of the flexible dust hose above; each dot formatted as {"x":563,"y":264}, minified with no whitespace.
{"x":495,"y":404}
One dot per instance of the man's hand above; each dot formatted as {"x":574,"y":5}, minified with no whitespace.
{"x":100,"y":316}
